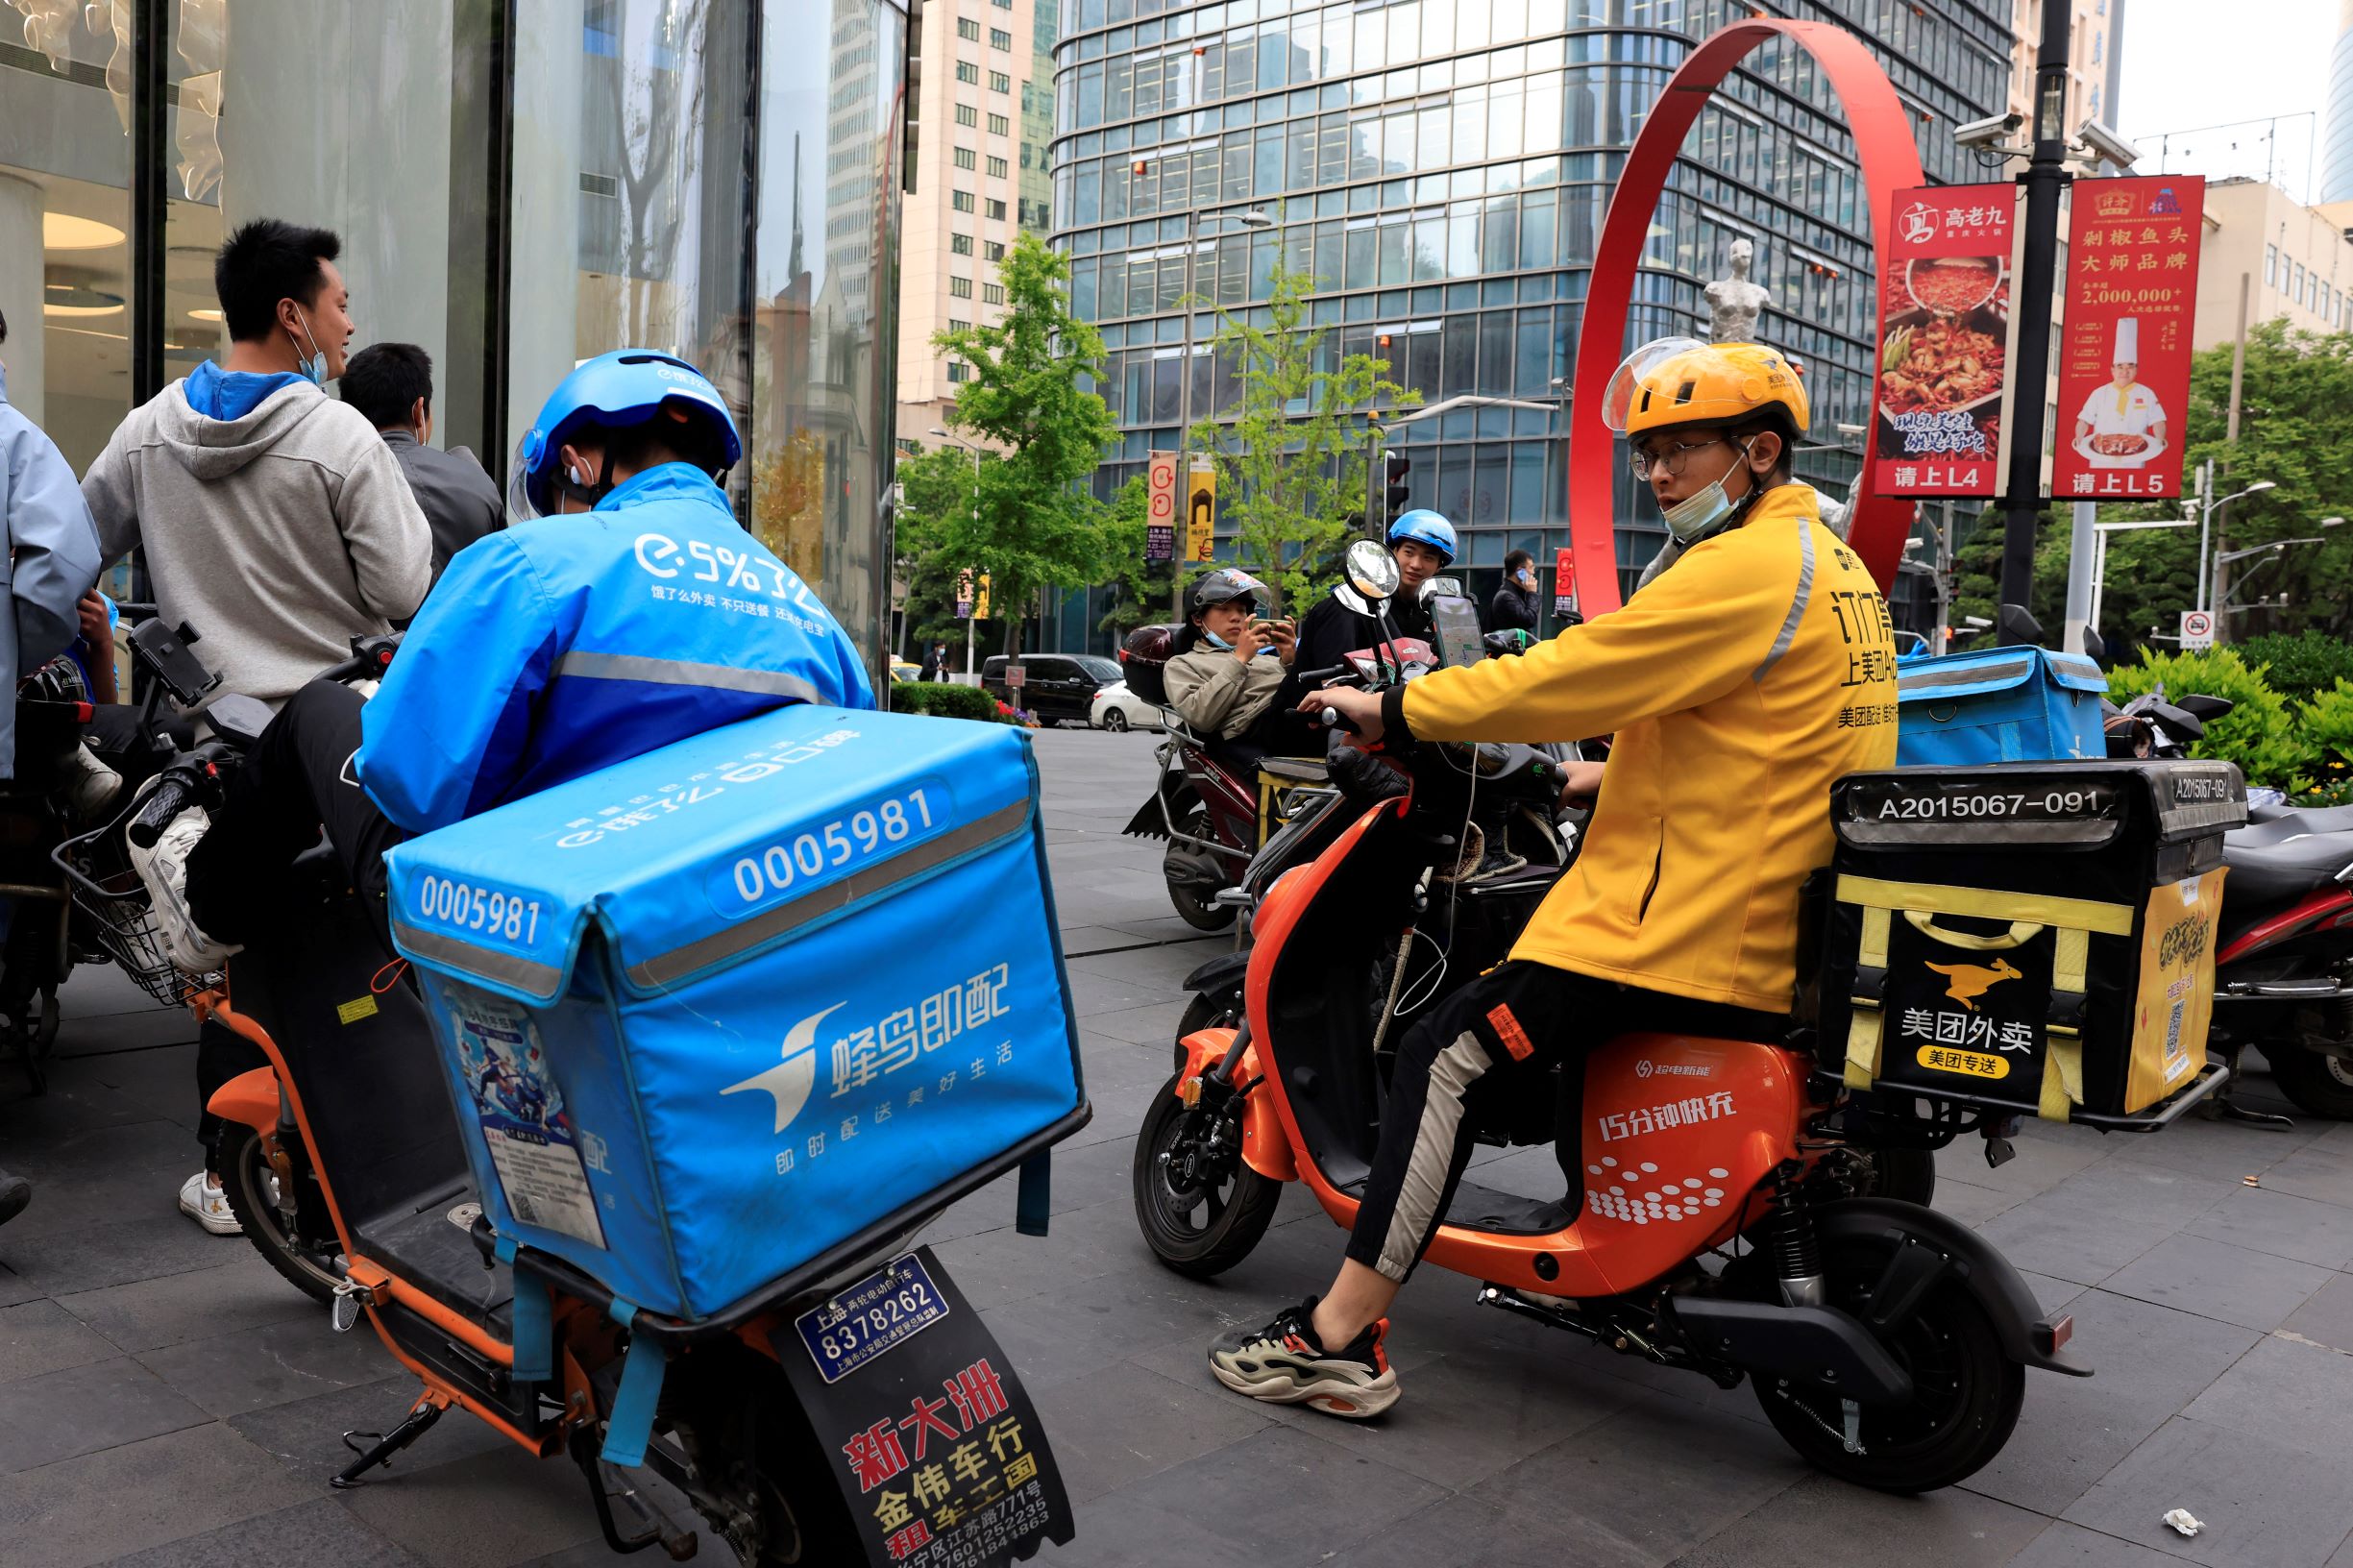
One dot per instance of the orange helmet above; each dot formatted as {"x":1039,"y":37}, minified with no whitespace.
{"x":1680,"y":381}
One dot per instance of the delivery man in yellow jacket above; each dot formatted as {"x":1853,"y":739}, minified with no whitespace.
{"x":1741,"y":684}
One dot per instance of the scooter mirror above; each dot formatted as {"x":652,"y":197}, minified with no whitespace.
{"x":1371,"y":571}
{"x":1350,"y":599}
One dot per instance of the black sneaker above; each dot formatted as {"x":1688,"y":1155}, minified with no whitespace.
{"x":1285,"y":1364}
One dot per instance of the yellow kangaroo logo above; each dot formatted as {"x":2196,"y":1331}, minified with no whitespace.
{"x":1971,"y":981}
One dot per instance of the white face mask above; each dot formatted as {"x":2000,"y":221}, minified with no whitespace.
{"x":313,"y":368}
{"x":1704,"y":511}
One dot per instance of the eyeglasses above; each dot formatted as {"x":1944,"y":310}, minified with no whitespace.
{"x":1672,"y":460}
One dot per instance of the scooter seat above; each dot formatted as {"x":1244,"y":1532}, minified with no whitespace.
{"x":2286,"y":856}
{"x":1297,"y":770}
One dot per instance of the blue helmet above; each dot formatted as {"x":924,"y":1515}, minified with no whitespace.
{"x":1425,"y":527}
{"x":627,"y":386}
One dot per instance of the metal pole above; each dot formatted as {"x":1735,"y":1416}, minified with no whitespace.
{"x":2205,"y":524}
{"x":972,"y":622}
{"x":2099,"y":573}
{"x":2237,"y":377}
{"x":2046,"y":179}
{"x":1185,"y":431}
{"x":1943,"y":583}
{"x":2080,"y":570}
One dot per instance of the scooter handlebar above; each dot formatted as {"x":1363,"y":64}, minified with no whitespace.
{"x":172,"y":796}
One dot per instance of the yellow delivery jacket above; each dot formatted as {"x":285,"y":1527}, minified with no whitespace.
{"x":1741,"y":683}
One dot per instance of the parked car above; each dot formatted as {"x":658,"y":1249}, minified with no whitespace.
{"x":1117,"y":708}
{"x":1059,"y":688}
{"x":902,"y":671}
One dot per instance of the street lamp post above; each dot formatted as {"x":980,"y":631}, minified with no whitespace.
{"x":2210,"y":589}
{"x":1251,"y":219}
{"x":970,"y":622}
{"x":2099,"y":554}
{"x":2272,"y":551}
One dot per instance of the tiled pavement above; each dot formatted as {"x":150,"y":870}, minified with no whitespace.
{"x":165,"y":1399}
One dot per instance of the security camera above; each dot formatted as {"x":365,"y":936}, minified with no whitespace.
{"x":2106,"y":143}
{"x":1990,"y":130}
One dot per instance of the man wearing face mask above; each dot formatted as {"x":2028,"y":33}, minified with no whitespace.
{"x":628,"y":610}
{"x":1744,"y":681}
{"x":274,"y":519}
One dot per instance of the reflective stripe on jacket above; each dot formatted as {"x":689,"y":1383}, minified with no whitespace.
{"x":564,"y":645}
{"x":1741,"y":684}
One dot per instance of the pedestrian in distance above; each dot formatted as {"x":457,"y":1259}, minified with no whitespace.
{"x":273,"y":518}
{"x":392,"y":387}
{"x":1515,"y":606}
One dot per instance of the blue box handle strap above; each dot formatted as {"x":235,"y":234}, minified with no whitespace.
{"x":532,"y":1319}
{"x":628,"y":1426}
{"x":1034,"y":1196}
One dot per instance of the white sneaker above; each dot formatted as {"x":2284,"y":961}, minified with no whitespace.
{"x":92,"y":787}
{"x":209,"y":1206}
{"x":164,"y":869}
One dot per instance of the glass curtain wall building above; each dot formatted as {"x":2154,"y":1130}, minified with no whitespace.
{"x":1441,"y":167}
{"x":520,"y":185}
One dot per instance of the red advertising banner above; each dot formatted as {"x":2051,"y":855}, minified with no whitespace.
{"x":1160,"y":518}
{"x":1564,"y":581}
{"x":2124,"y":353}
{"x":1943,"y":325}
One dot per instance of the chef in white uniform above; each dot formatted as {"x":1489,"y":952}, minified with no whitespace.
{"x":2123,"y":406}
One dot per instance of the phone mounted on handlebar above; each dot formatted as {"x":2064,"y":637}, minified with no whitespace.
{"x":164,"y":654}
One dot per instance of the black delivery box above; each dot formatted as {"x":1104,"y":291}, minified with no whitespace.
{"x":2028,"y":937}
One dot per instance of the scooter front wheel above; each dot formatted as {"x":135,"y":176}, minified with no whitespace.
{"x":1966,"y":1390}
{"x":1199,"y":1223}
{"x":250,"y":1187}
{"x":2318,"y":1082}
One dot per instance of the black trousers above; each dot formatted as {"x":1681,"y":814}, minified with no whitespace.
{"x":1517,"y":1020}
{"x":297,"y":782}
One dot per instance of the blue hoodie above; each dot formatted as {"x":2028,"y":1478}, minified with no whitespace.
{"x":231,"y":394}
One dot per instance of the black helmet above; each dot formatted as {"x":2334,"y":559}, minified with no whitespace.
{"x":1222,"y":586}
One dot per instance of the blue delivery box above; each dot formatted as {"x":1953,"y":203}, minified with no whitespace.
{"x":1999,"y":704}
{"x":716,"y":1010}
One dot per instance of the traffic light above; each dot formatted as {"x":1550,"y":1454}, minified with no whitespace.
{"x":1393,"y":465}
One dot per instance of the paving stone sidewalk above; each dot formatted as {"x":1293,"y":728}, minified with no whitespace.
{"x":165,"y":1399}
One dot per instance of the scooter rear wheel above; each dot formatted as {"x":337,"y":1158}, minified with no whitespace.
{"x":1201,"y":1230}
{"x":247,"y":1180}
{"x":2315,"y":1081}
{"x":1966,"y":1391}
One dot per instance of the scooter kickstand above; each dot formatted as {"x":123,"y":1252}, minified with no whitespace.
{"x":420,"y":1421}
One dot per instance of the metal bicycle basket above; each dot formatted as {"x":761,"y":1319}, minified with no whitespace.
{"x":118,"y":911}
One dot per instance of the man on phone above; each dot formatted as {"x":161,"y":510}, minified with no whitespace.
{"x":1515,"y":606}
{"x":1231,"y":677}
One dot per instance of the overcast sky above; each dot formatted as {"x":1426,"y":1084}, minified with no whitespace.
{"x":2198,"y":63}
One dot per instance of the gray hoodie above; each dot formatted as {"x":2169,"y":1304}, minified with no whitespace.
{"x":280,"y":534}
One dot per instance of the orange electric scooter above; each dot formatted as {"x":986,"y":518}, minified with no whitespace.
{"x":343,"y":1160}
{"x":1886,"y":1341}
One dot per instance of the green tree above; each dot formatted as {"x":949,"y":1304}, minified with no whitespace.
{"x":934,"y":492}
{"x":1290,"y":459}
{"x":1033,"y":526}
{"x":2292,"y":432}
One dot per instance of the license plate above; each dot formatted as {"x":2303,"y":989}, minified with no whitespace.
{"x":1937,"y":809}
{"x":869,"y":1319}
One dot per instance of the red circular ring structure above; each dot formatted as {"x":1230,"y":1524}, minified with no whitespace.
{"x":1882,"y":129}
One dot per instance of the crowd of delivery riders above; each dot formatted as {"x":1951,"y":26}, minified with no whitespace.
{"x":285,"y":523}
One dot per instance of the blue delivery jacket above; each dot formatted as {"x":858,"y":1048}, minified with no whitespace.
{"x":568,"y":643}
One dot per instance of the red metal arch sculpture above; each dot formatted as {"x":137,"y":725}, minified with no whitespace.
{"x":1883,"y":128}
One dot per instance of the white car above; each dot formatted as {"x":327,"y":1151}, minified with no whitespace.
{"x":1117,"y":708}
